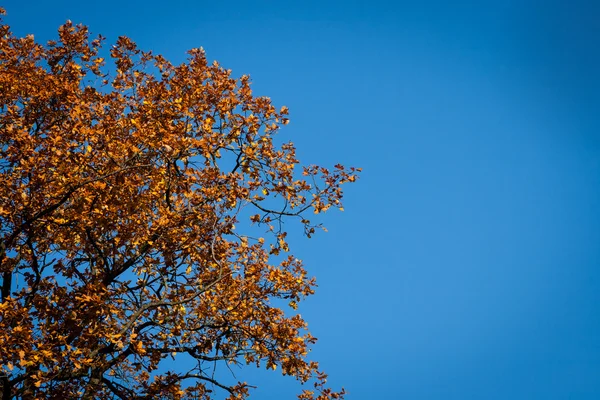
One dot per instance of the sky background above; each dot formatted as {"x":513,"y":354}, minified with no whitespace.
{"x":467,"y":262}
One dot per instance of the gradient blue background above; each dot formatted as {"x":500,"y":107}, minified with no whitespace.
{"x":467,"y":263}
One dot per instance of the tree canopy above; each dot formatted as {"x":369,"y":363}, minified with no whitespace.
{"x":142,"y":210}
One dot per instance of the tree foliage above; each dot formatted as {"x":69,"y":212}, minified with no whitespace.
{"x":120,"y":190}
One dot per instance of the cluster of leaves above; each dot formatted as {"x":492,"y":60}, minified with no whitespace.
{"x":119,"y":198}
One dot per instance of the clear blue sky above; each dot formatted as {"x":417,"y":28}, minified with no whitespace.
{"x":467,"y":262}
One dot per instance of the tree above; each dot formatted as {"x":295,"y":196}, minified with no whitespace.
{"x":142,"y":210}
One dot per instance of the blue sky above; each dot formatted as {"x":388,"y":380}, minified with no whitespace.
{"x":467,"y":262}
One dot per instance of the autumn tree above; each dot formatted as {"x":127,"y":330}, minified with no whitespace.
{"x":142,"y":210}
